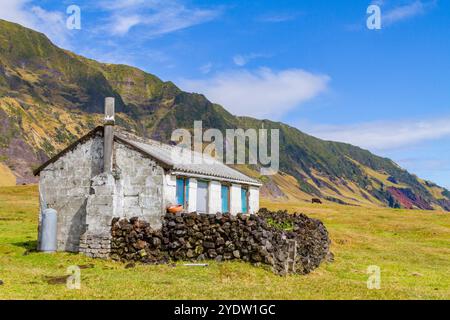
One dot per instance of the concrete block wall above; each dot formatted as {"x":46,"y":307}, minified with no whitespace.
{"x":66,"y":185}
{"x":139,"y":185}
{"x":100,"y":206}
{"x":100,"y":210}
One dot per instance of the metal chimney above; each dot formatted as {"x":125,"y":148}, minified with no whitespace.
{"x":108,"y":136}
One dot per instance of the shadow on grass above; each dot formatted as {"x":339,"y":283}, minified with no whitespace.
{"x":29,"y":246}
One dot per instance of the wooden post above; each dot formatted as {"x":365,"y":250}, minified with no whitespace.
{"x":108,"y":137}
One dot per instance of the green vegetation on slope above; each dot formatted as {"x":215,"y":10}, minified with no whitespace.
{"x":411,"y":248}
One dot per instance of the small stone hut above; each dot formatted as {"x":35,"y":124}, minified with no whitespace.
{"x":110,"y":173}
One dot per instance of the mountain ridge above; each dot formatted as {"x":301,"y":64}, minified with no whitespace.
{"x":49,"y":97}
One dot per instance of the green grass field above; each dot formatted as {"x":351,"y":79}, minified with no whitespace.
{"x":412,"y":248}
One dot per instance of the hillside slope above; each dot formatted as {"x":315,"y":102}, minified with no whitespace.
{"x":50,"y":97}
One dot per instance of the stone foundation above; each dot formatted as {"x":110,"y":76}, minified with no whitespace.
{"x":96,"y":246}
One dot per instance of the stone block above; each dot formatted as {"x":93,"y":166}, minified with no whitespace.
{"x":101,"y":200}
{"x":130,"y":202}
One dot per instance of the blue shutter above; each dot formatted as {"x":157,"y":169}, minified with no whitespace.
{"x":180,"y":191}
{"x":225,"y":199}
{"x":244,"y":200}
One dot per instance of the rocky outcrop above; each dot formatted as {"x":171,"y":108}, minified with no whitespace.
{"x":445,"y":204}
{"x":289,"y":243}
{"x":408,"y":199}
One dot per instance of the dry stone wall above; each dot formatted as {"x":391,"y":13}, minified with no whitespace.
{"x":289,"y":243}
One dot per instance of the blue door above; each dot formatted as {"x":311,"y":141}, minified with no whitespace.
{"x":244,"y":200}
{"x":225,"y":199}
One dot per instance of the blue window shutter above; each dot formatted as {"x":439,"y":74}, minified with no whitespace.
{"x":225,"y":199}
{"x":180,"y":191}
{"x":244,"y":200}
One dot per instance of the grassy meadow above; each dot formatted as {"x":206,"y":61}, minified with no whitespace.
{"x":412,"y":248}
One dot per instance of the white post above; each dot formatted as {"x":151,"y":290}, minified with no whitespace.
{"x":108,"y":136}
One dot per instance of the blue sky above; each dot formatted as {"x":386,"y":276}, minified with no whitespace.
{"x":313,"y":64}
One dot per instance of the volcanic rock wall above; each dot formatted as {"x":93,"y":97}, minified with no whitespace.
{"x":289,"y":243}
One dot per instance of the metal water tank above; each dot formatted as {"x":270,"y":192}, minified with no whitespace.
{"x":48,"y":230}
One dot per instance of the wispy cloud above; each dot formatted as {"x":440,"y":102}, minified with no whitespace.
{"x":156,"y":17}
{"x":124,"y":4}
{"x":278,"y":17}
{"x":24,"y":12}
{"x":404,"y":12}
{"x":384,"y":135}
{"x":260,"y":93}
{"x":242,"y":59}
{"x":429,"y":164}
{"x":206,"y":68}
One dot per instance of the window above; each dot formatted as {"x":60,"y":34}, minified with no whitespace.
{"x":183,"y":192}
{"x":225,"y":199}
{"x":244,"y":200}
{"x":202,"y":196}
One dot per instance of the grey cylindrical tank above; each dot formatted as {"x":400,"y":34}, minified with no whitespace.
{"x":48,"y":230}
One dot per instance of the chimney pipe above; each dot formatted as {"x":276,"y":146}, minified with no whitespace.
{"x":108,"y":135}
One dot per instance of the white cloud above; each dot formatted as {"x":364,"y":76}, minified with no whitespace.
{"x":404,"y":12}
{"x":384,"y":135}
{"x":52,"y":23}
{"x":123,"y":4}
{"x":278,"y":17}
{"x":239,"y":60}
{"x":260,"y":93}
{"x":242,"y":59}
{"x":158,"y":17}
{"x":206,"y":68}
{"x":123,"y":24}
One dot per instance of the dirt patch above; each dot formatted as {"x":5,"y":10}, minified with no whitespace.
{"x":56,"y":280}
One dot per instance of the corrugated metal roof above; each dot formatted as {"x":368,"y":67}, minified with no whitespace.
{"x":185,"y":160}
